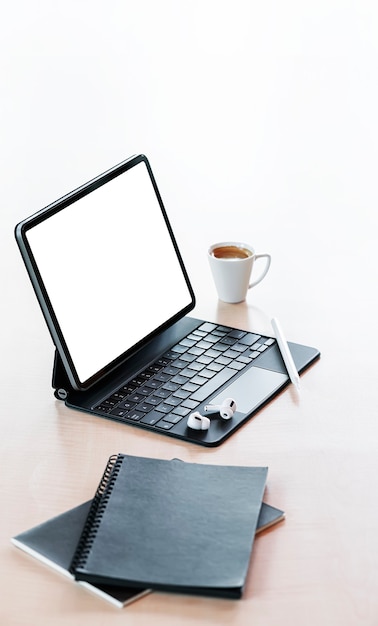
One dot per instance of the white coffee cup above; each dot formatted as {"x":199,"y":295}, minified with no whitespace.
{"x":231,"y":264}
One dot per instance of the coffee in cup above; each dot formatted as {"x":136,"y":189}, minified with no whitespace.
{"x":231,"y":252}
{"x":232,"y":264}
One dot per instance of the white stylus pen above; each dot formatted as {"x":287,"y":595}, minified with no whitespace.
{"x":285,"y":353}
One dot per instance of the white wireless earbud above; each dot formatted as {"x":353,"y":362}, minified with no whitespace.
{"x":201,"y":422}
{"x":198,"y":421}
{"x":226,"y":409}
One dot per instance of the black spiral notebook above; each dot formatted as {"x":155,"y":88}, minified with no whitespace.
{"x":172,"y":526}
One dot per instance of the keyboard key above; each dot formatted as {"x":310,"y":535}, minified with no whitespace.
{"x":188,"y":358}
{"x":117,"y":412}
{"x":232,"y":354}
{"x":189,"y":387}
{"x":204,"y":359}
{"x":196,"y":351}
{"x":180,"y":380}
{"x":207,"y":373}
{"x":156,"y":367}
{"x":195,"y":366}
{"x":173,"y":401}
{"x":163,"y":377}
{"x":144,"y":391}
{"x":188,"y":343}
{"x":137,"y":381}
{"x":215,"y":353}
{"x":249,"y":339}
{"x":239,"y":347}
{"x":194,"y":336}
{"x":135,"y":397}
{"x":110,"y":402}
{"x":153,"y":400}
{"x":181,"y":410}
{"x":163,"y":361}
{"x":217,"y":349}
{"x":173,"y":419}
{"x":228,"y":340}
{"x":244,"y":359}
{"x":216,"y":367}
{"x":164,"y":393}
{"x":103,"y":408}
{"x":169,"y":355}
{"x":180,"y":393}
{"x":135,"y":416}
{"x":118,"y":396}
{"x":179,"y":363}
{"x":199,"y":380}
{"x":212,"y":338}
{"x":237,"y":334}
{"x":143,"y":407}
{"x":164,"y":408}
{"x":204,"y":345}
{"x":170,"y":386}
{"x":128,"y":388}
{"x":146,"y":375}
{"x":190,"y":404}
{"x":186,"y":373}
{"x":170,"y":370}
{"x":199,"y":333}
{"x":237,"y":365}
{"x":179,"y":348}
{"x":154,"y":383}
{"x":254,"y":354}
{"x":223,"y":360}
{"x":127,"y":404}
{"x":164,"y":425}
{"x":207,"y":327}
{"x":151,"y":418}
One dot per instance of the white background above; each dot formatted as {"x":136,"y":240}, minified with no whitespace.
{"x":260,"y":122}
{"x":250,"y":112}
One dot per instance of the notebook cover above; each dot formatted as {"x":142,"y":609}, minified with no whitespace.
{"x":170,"y":525}
{"x":54,"y":542}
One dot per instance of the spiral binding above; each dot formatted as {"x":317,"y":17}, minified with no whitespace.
{"x":96,"y":512}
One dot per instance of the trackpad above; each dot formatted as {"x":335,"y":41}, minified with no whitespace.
{"x":252,"y":388}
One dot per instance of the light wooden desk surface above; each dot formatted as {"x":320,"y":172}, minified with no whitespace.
{"x":320,"y":566}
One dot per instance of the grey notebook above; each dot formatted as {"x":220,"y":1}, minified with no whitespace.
{"x":54,"y":541}
{"x":173,"y":526}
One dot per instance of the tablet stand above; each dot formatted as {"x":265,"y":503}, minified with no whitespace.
{"x":60,"y":380}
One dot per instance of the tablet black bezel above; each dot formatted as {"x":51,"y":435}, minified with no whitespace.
{"x":21,"y":231}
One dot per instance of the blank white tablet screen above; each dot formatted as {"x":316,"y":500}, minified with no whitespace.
{"x":110,"y":269}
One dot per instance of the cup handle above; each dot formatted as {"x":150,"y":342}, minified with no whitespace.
{"x":264,"y":273}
